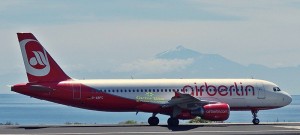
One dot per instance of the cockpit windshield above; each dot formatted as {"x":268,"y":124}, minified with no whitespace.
{"x":276,"y":89}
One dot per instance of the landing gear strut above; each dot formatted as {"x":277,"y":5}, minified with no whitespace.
{"x":255,"y":120}
{"x":173,"y":122}
{"x":153,"y":120}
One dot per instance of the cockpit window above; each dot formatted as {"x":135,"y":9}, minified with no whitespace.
{"x":276,"y":89}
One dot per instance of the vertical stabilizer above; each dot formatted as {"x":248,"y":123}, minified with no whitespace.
{"x":40,"y":66}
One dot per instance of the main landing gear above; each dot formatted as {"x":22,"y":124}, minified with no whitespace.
{"x":173,"y":122}
{"x":153,"y":121}
{"x":255,"y":120}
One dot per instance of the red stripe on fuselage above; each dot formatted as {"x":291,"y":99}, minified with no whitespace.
{"x":89,"y":98}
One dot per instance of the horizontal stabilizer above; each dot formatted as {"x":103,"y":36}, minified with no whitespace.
{"x":40,"y":88}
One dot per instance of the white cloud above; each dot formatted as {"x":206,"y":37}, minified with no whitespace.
{"x":155,"y":65}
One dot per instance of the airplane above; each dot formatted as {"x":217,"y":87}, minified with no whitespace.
{"x":181,"y":99}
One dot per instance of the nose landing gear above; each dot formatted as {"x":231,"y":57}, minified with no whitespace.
{"x":255,"y":120}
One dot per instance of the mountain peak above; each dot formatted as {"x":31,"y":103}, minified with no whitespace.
{"x":180,"y":47}
{"x":180,"y":52}
{"x":213,"y":61}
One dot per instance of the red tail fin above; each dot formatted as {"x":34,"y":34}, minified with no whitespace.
{"x":40,"y":66}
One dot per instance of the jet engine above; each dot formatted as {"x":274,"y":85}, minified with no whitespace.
{"x":213,"y":112}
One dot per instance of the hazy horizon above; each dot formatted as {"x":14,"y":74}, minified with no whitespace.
{"x":102,"y":36}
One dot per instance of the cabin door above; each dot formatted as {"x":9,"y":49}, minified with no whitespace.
{"x":261,"y":91}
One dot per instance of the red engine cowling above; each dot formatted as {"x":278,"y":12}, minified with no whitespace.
{"x":213,"y":112}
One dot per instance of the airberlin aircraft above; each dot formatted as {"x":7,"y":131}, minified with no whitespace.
{"x":210,"y":99}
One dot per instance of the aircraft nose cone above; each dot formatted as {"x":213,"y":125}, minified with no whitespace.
{"x":288,"y":99}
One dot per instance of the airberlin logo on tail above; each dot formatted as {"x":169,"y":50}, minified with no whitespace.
{"x":38,"y":59}
{"x":35,"y":57}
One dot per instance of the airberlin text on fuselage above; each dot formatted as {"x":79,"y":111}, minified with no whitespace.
{"x":220,"y":90}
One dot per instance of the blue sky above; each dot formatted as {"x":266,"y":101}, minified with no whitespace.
{"x":62,"y":12}
{"x":101,"y":35}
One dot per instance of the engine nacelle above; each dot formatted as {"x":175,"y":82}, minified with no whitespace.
{"x":213,"y":112}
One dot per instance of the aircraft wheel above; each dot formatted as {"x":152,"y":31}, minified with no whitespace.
{"x":255,"y":121}
{"x":173,"y":122}
{"x":153,"y":121}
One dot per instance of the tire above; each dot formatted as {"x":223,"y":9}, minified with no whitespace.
{"x":153,"y":121}
{"x":255,"y":121}
{"x":173,"y":122}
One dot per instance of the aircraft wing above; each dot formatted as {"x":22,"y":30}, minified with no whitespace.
{"x":185,"y":102}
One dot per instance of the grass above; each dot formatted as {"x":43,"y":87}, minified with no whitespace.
{"x":9,"y":123}
{"x":199,"y":120}
{"x":74,"y":123}
{"x":129,"y":122}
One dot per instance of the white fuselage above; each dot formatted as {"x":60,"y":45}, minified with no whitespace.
{"x":240,"y":94}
